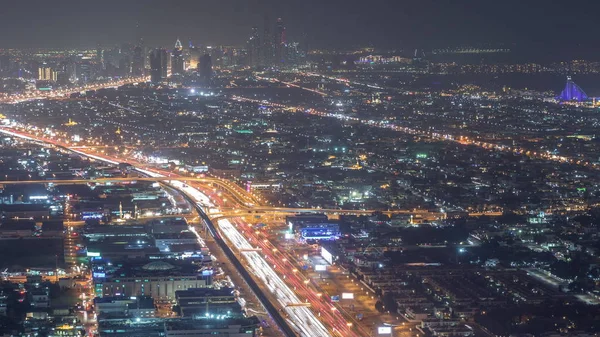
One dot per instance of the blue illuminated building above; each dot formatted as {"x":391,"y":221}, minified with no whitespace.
{"x":321,"y":231}
{"x":572,"y":92}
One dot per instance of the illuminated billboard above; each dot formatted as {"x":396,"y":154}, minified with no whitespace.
{"x":320,"y":267}
{"x":347,"y":296}
{"x":326,"y":255}
{"x":384,"y":330}
{"x":321,"y":231}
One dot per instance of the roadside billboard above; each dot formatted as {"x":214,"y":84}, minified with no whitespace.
{"x":347,"y":296}
{"x":320,"y":267}
{"x":384,"y":330}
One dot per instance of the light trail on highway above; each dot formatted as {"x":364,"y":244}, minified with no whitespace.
{"x":320,"y":303}
{"x":61,"y":93}
{"x":301,"y":318}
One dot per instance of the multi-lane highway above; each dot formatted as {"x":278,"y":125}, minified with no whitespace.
{"x":304,"y":288}
{"x":245,"y":202}
{"x":300,"y":320}
{"x":37,"y":94}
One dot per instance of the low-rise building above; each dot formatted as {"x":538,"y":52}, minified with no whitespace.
{"x":158,"y":279}
{"x":200,"y":302}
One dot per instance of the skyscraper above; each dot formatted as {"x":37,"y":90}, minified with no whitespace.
{"x":194,"y":58}
{"x":177,"y":59}
{"x":124,"y":65}
{"x":125,"y":58}
{"x":205,"y":68}
{"x":254,"y":48}
{"x":137,"y":66}
{"x":267,"y":44}
{"x":158,"y":65}
{"x":100,"y":57}
{"x":84,"y":71}
{"x":45,"y":73}
{"x":279,"y":42}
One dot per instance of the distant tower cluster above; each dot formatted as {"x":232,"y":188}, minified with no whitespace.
{"x":572,"y":92}
{"x":268,"y":47}
{"x":273,"y":48}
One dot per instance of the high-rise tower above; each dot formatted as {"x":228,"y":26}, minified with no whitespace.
{"x":177,"y":59}
{"x":137,"y":64}
{"x":100,"y":57}
{"x":267,"y":44}
{"x":158,"y":65}
{"x":205,"y":69}
{"x":279,"y":41}
{"x":254,"y":48}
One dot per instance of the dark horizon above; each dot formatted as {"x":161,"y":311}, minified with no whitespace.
{"x":532,"y":24}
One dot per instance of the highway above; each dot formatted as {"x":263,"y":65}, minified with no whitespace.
{"x":287,"y":270}
{"x":300,"y":321}
{"x":246,"y":202}
{"x":301,"y":318}
{"x":266,"y":265}
{"x":196,"y":198}
{"x":37,"y":94}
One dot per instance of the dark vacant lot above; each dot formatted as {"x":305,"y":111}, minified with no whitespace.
{"x":28,"y":253}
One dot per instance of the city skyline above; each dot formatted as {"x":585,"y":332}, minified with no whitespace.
{"x":423,"y":24}
{"x":308,"y":168}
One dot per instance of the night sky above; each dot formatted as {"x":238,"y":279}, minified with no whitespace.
{"x":384,"y":23}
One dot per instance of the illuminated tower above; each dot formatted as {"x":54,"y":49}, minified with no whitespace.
{"x":254,"y":48}
{"x":194,"y":58}
{"x":100,"y":57}
{"x":45,"y":73}
{"x":177,"y":59}
{"x":279,"y":41}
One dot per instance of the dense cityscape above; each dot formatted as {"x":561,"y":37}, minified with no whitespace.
{"x":282,"y":187}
